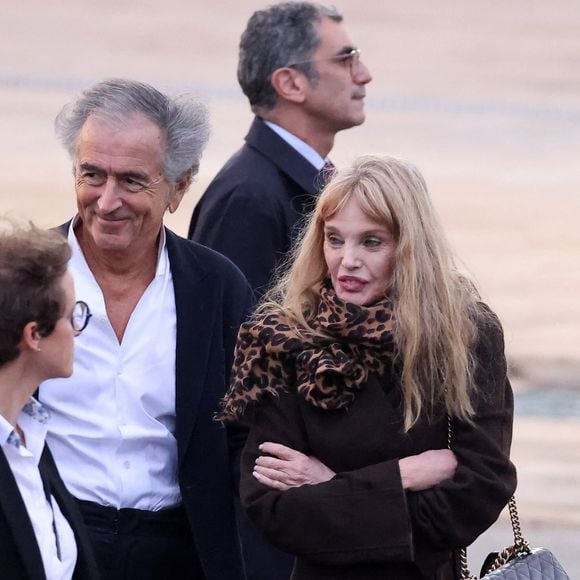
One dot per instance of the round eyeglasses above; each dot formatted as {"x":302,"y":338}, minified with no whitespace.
{"x":80,"y":316}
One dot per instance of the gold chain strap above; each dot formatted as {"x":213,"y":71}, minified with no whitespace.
{"x":520,"y":546}
{"x":465,"y":573}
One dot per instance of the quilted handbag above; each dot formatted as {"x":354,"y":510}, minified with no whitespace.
{"x":518,"y":561}
{"x":537,"y":564}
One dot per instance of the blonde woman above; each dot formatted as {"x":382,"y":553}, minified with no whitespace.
{"x":42,"y":536}
{"x":349,"y":374}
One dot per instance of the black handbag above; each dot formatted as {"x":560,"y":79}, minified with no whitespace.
{"x":518,"y":561}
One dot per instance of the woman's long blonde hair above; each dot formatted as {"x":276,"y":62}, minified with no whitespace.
{"x":435,"y":307}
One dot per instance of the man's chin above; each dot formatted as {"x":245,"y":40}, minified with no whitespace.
{"x":353,"y":121}
{"x":359,"y":118}
{"x":108,"y":242}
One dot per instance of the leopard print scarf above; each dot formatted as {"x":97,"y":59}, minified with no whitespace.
{"x":326,"y":370}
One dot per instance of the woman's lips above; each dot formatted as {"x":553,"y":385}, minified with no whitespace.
{"x":351,"y":283}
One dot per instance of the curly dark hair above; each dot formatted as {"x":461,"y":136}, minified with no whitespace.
{"x":32,"y":264}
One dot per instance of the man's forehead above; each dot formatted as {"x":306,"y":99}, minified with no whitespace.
{"x":133,"y":135}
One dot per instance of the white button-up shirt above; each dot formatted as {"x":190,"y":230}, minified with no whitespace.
{"x":112,"y":431}
{"x":53,"y":533}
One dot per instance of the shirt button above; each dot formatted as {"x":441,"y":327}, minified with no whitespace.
{"x":126,"y":464}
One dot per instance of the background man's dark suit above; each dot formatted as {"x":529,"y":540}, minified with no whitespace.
{"x":20,"y":557}
{"x":212,"y":298}
{"x":252,"y":210}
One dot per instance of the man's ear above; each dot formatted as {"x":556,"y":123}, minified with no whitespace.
{"x":30,"y":339}
{"x":289,"y":84}
{"x":181,"y":186}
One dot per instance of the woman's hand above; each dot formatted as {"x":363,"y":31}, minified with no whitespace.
{"x":419,"y":472}
{"x":282,"y":468}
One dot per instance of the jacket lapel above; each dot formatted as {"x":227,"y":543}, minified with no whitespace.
{"x":17,"y":517}
{"x":193,"y":312}
{"x":86,"y":566}
{"x":285,"y":157}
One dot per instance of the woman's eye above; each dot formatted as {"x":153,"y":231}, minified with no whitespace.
{"x":333,"y":240}
{"x":372,"y":242}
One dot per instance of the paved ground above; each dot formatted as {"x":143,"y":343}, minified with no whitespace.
{"x":482,"y":97}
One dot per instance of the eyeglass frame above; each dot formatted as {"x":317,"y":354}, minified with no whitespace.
{"x":352,"y":56}
{"x":86,"y":312}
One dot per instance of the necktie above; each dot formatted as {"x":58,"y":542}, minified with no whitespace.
{"x":326,"y":173}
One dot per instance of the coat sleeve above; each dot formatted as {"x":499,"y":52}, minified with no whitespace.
{"x":358,"y":516}
{"x":454,"y":513}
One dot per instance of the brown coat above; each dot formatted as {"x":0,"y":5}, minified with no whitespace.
{"x":362,"y":525}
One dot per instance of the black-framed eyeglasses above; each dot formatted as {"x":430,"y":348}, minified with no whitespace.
{"x":80,"y":316}
{"x":352,"y":57}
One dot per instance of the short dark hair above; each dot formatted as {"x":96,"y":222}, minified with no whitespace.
{"x":184,"y":121}
{"x":32,"y":264}
{"x":278,"y":36}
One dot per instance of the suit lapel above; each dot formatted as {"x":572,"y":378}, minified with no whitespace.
{"x":17,"y":517}
{"x":193,"y":312}
{"x":285,"y":157}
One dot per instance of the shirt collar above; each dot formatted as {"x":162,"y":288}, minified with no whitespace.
{"x":33,"y":421}
{"x":296,"y":143}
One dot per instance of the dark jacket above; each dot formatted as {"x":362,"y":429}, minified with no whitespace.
{"x":212,"y":298}
{"x":362,"y":525}
{"x":20,"y":557}
{"x":253,"y":209}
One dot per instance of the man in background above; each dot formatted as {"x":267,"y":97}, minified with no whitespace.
{"x":132,"y":430}
{"x":305,"y":82}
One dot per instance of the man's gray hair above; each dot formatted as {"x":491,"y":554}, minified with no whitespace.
{"x":281,"y":35}
{"x":183,"y":121}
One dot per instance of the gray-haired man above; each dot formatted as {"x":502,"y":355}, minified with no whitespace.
{"x":132,"y":430}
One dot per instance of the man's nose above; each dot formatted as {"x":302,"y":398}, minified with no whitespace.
{"x":363,"y":74}
{"x":110,"y":198}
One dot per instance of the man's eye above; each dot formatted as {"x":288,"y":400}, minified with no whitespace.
{"x":132,"y":185}
{"x":92,"y":178}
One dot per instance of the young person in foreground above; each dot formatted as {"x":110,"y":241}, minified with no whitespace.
{"x":42,"y":536}
{"x":349,"y":373}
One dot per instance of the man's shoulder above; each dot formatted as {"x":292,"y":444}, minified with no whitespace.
{"x":191,"y":259}
{"x":265,"y":160}
{"x":248,"y":177}
{"x":247,"y":166}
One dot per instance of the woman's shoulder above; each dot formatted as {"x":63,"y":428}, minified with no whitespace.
{"x":487,"y":322}
{"x":272,"y":329}
{"x":263,"y":358}
{"x":489,"y":345}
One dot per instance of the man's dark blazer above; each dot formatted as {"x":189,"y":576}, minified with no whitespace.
{"x":212,"y":298}
{"x":20,"y":557}
{"x":252,"y":210}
